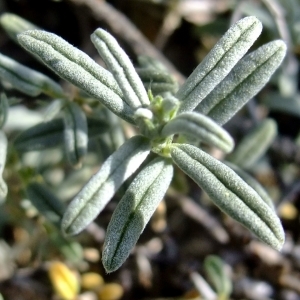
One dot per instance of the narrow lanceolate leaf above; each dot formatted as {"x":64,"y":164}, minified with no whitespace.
{"x":156,"y":80}
{"x":13,"y":25}
{"x":120,"y":65}
{"x":218,"y":63}
{"x":51,"y":134}
{"x":254,"y":145}
{"x":76,"y":67}
{"x":252,"y":182}
{"x":215,"y":269}
{"x":230,"y":193}
{"x":45,"y":202}
{"x":286,"y":104}
{"x":70,"y":249}
{"x":4,"y":105}
{"x":3,"y":152}
{"x":246,"y":79}
{"x":93,"y":197}
{"x":41,"y":136}
{"x":97,"y":127}
{"x":155,"y":75}
{"x":53,"y":109}
{"x":150,"y":62}
{"x":75,"y":133}
{"x":114,"y":136}
{"x":27,"y":81}
{"x":201,"y":127}
{"x":157,"y":88}
{"x":134,"y":211}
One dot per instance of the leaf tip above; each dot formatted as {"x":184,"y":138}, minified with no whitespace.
{"x":67,"y":227}
{"x":110,"y":261}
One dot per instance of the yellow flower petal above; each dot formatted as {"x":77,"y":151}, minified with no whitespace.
{"x":91,"y":281}
{"x":64,"y":281}
{"x":110,"y":291}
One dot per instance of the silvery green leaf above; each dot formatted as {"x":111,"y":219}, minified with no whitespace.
{"x":150,"y":62}
{"x":215,"y":269}
{"x":230,"y":193}
{"x":170,"y":106}
{"x":246,"y":79}
{"x":63,"y":50}
{"x":116,"y":133}
{"x":297,"y":140}
{"x":41,"y":136}
{"x":155,"y":75}
{"x":71,"y":250}
{"x":75,"y":66}
{"x":45,"y":202}
{"x":134,"y":211}
{"x":254,"y":145}
{"x":75,"y":133}
{"x":218,"y":63}
{"x":3,"y":152}
{"x":51,"y":134}
{"x":93,"y":197}
{"x":121,"y":67}
{"x":202,"y":286}
{"x":157,"y":88}
{"x":21,"y":117}
{"x":53,"y":109}
{"x":26,"y":80}
{"x":73,"y":182}
{"x":276,"y":102}
{"x":157,"y":81}
{"x":97,"y":127}
{"x":4,"y":105}
{"x":252,"y":182}
{"x":201,"y":127}
{"x":13,"y":25}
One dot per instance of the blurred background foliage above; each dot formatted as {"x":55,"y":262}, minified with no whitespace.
{"x":173,"y":258}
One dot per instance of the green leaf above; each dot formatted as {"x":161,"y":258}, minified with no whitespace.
{"x":53,"y":109}
{"x":247,"y":78}
{"x":254,"y":145}
{"x":26,"y":80}
{"x":13,"y":25}
{"x":215,"y":269}
{"x":78,"y":68}
{"x":134,"y":211}
{"x":4,"y":106}
{"x":3,"y":153}
{"x":201,"y":127}
{"x":96,"y":127}
{"x":253,"y":183}
{"x":75,"y":133}
{"x":71,"y":250}
{"x":157,"y":88}
{"x":149,"y":75}
{"x":93,"y":197}
{"x":156,"y":80}
{"x":45,"y":202}
{"x":41,"y":136}
{"x":169,"y":106}
{"x":230,"y":193}
{"x":120,"y":65}
{"x":148,"y":62}
{"x":218,"y":63}
{"x":115,"y":135}
{"x":51,"y":134}
{"x":289,"y":105}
